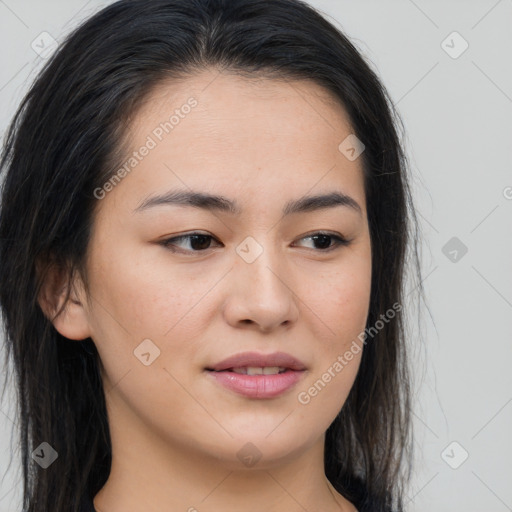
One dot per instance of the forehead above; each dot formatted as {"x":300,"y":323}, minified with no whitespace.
{"x":227,"y":108}
{"x":255,"y":136}
{"x":225,"y":86}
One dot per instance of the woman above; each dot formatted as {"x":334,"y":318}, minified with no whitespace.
{"x":263,"y":368}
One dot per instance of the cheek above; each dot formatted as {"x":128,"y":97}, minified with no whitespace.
{"x":147,"y":297}
{"x":343,"y":306}
{"x":340,"y":299}
{"x":141,"y":298}
{"x":349,"y":305}
{"x":140,"y":310}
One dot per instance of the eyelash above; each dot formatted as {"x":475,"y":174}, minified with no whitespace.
{"x":168,"y":243}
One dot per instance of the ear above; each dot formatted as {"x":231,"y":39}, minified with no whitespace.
{"x":72,"y":321}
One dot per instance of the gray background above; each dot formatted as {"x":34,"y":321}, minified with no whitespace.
{"x":457,"y":110}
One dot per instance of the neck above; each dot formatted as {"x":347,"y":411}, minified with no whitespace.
{"x":153,"y":474}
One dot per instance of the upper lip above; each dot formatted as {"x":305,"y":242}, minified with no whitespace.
{"x":257,"y":360}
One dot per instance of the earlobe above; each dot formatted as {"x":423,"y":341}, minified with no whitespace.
{"x":69,"y":318}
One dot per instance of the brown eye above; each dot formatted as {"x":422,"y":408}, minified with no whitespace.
{"x":322,"y":241}
{"x":198,"y":242}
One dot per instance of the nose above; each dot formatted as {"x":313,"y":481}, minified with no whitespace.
{"x":261,"y":293}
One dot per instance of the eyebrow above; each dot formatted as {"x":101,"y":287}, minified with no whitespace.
{"x":219,"y":203}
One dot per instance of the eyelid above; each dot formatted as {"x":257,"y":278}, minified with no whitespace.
{"x":342,"y":241}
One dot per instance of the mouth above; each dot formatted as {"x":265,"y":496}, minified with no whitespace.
{"x":254,"y":370}
{"x":256,"y":375}
{"x":254,"y":363}
{"x":259,"y":385}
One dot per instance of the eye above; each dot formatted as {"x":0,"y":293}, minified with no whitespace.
{"x":323,"y":239}
{"x":200,"y":242}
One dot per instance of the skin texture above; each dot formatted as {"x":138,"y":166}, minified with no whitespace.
{"x":175,"y":432}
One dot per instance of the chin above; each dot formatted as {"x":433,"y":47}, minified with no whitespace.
{"x":262,"y":448}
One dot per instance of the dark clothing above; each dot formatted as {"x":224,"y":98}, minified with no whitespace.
{"x":87,"y":505}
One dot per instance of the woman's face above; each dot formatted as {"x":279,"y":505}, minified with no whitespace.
{"x":162,"y":316}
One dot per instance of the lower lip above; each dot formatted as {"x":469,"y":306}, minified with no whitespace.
{"x":258,"y":386}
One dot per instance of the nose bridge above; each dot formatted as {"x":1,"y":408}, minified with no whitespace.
{"x":260,"y":264}
{"x":261,"y":291}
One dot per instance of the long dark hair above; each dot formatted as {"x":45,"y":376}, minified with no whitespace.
{"x":66,"y":141}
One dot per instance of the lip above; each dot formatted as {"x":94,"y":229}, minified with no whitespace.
{"x":259,"y":360}
{"x":258,"y":386}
